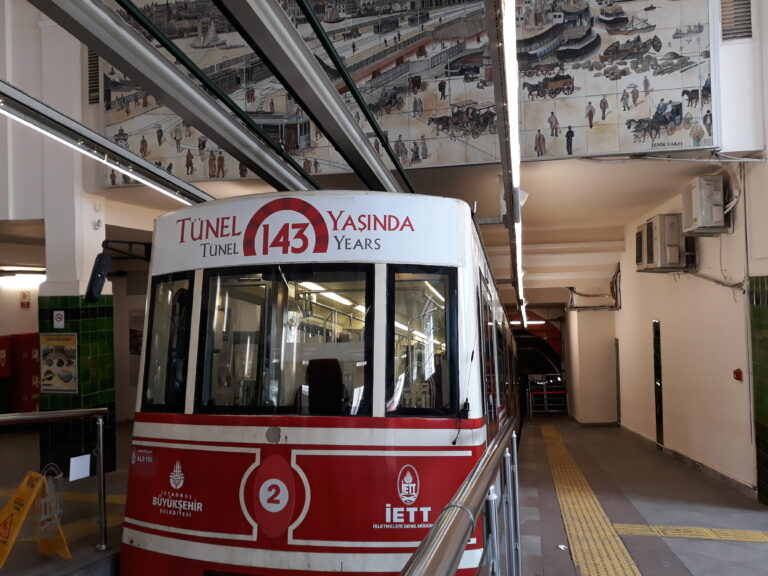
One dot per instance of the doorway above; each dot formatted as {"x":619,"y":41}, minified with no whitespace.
{"x":657,"y":383}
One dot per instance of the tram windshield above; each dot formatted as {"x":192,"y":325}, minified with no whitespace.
{"x":421,"y":380}
{"x":288,"y":339}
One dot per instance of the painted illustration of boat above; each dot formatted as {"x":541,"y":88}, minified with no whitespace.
{"x":689,"y":31}
{"x":578,"y":47}
{"x":206,"y":36}
{"x":634,"y":26}
{"x":612,"y":15}
{"x":632,"y":48}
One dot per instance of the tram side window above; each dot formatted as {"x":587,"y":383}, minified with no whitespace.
{"x":422,"y":341}
{"x":289,"y":339}
{"x":165,"y":377}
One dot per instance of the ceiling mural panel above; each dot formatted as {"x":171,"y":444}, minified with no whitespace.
{"x":604,"y":77}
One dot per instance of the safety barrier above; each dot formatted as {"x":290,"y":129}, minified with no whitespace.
{"x":57,"y":415}
{"x":441,"y":551}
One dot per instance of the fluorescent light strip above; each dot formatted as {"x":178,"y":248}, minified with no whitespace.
{"x":6,"y":112}
{"x":323,"y":292}
{"x":23,"y":269}
{"x":434,"y":291}
{"x":401,"y":326}
{"x":529,"y":323}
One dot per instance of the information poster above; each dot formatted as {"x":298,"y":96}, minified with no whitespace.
{"x":58,"y":363}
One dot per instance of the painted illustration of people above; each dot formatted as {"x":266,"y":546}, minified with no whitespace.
{"x":540,"y":144}
{"x":112,"y":178}
{"x":646,"y":85}
{"x":569,"y":141}
{"x":177,"y":136}
{"x":316,"y":166}
{"x":696,"y":133}
{"x":201,"y":142}
{"x":424,"y":150}
{"x":188,"y":162}
{"x":635,"y":96}
{"x":554,"y":124}
{"x":661,"y":108}
{"x":441,"y":87}
{"x":307,"y":165}
{"x":211,"y":165}
{"x":242,"y":168}
{"x":707,"y":121}
{"x":159,"y":135}
{"x":625,"y":100}
{"x":603,"y":107}
{"x":590,"y":115}
{"x":415,"y":153}
{"x":143,"y":147}
{"x":220,"y":165}
{"x":169,"y":168}
{"x":400,"y":149}
{"x":271,"y":106}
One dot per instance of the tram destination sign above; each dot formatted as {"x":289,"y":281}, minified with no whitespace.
{"x":312,"y":227}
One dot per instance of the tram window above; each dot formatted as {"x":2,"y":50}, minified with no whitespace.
{"x":421,"y":379}
{"x":290,"y":339}
{"x":165,"y":376}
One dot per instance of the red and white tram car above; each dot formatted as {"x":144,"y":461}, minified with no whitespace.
{"x":321,"y":370}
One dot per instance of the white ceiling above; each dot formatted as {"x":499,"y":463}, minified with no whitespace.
{"x":573,"y":219}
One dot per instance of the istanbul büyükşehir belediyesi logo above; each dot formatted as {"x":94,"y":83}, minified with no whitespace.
{"x":288,"y":237}
{"x":176,"y":478}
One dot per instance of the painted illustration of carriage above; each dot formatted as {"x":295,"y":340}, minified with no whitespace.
{"x":550,"y":85}
{"x":667,"y":117}
{"x":468,"y":118}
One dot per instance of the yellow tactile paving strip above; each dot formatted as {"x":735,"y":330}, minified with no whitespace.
{"x":692,"y":532}
{"x":596,"y":547}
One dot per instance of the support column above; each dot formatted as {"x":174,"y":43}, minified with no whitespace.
{"x":74,"y":231}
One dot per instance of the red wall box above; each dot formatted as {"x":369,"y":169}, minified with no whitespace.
{"x":25,"y":372}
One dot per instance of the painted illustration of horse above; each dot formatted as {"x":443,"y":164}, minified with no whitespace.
{"x":441,"y":123}
{"x":533,"y":89}
{"x":643,"y":128}
{"x":692,"y":97}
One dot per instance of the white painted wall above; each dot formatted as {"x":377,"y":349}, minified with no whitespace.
{"x":18,"y":320}
{"x":592,"y":368}
{"x":704,"y":337}
{"x":571,"y":353}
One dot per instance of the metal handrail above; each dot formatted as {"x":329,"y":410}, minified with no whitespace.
{"x":55,"y":415}
{"x":440,"y":552}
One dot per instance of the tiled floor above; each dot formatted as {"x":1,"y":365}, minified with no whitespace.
{"x":642,"y":491}
{"x":645,"y":494}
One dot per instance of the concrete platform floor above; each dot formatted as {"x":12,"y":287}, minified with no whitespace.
{"x":673,"y":519}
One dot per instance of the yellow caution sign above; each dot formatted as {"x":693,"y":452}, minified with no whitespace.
{"x":50,"y":537}
{"x":15,"y":512}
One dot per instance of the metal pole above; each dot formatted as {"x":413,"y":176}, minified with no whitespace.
{"x":493,"y":525}
{"x":516,"y":509}
{"x":510,"y":543}
{"x":102,"y":520}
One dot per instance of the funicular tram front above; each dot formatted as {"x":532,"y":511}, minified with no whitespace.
{"x":320,"y":373}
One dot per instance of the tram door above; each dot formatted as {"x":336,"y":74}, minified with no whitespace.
{"x":488,"y":360}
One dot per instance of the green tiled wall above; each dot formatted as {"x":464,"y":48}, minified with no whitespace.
{"x":758,"y":294}
{"x":93,"y":324}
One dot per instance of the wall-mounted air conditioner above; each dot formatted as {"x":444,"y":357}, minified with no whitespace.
{"x":703,"y":201}
{"x":662,"y":247}
{"x":640,"y":243}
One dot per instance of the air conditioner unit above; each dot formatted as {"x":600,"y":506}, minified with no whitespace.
{"x":703,"y":207}
{"x":665,"y":247}
{"x":640,"y":243}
